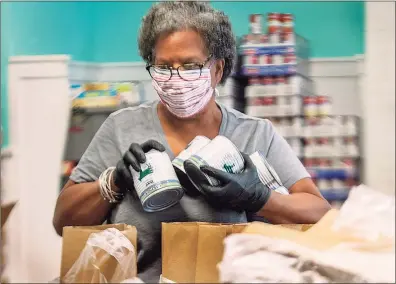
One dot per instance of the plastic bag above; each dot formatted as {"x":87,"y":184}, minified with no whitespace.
{"x":108,"y":257}
{"x":367,"y":214}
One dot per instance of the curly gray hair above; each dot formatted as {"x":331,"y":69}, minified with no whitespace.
{"x":214,"y":27}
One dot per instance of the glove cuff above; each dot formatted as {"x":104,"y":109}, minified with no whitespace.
{"x":261,"y":200}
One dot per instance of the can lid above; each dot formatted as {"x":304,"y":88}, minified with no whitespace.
{"x":163,"y":199}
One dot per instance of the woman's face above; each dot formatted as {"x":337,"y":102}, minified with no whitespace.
{"x":182,"y":47}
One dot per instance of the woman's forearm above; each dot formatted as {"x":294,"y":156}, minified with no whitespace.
{"x":80,"y":205}
{"x":296,"y":208}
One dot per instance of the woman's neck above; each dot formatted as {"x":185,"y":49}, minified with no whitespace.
{"x":207,"y":122}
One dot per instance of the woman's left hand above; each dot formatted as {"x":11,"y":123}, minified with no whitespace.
{"x":242,"y":191}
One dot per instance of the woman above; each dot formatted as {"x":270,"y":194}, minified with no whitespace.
{"x":189,"y":49}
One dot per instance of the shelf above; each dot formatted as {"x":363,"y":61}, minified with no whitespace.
{"x":101,"y":110}
{"x":266,"y":49}
{"x":269,"y":70}
{"x":341,"y":174}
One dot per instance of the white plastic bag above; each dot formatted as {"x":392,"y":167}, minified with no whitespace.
{"x":108,"y":257}
{"x":367,"y":214}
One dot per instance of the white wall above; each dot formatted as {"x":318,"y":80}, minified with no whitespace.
{"x":378,"y":96}
{"x":39,"y":100}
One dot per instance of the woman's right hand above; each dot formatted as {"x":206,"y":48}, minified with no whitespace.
{"x":134,"y":156}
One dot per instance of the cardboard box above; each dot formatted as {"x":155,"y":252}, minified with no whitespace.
{"x":101,"y":263}
{"x":191,"y":251}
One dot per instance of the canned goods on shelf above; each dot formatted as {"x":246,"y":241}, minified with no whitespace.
{"x":274,"y":38}
{"x":263,"y":39}
{"x":254,"y":81}
{"x":280,"y":86}
{"x":287,"y":38}
{"x":221,"y":154}
{"x":287,"y":23}
{"x":250,"y":59}
{"x":157,"y":184}
{"x":277,"y":59}
{"x":324,"y":105}
{"x":310,"y":107}
{"x":255,"y":23}
{"x":274,"y":23}
{"x":270,"y":86}
{"x":265,"y":59}
{"x":290,"y":58}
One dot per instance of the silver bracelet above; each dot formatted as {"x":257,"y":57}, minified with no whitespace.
{"x":105,"y":187}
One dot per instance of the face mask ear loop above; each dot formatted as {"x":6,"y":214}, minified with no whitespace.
{"x":217,"y":93}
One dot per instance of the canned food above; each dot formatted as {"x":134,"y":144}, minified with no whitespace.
{"x":270,"y":84}
{"x":267,"y":174}
{"x":287,"y":38}
{"x":263,"y":39}
{"x":157,"y":184}
{"x":280,"y":86}
{"x":194,"y":146}
{"x":221,"y":154}
{"x":287,"y":23}
{"x":310,"y":108}
{"x":250,"y":59}
{"x":323,"y":105}
{"x":274,"y":38}
{"x":255,"y":23}
{"x":290,"y":58}
{"x":265,"y":59}
{"x":274,"y":22}
{"x":277,"y":59}
{"x":254,"y":81}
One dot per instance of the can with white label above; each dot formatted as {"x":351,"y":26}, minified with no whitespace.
{"x":255,"y":23}
{"x":221,"y":154}
{"x":267,"y":174}
{"x":156,"y":183}
{"x":193,"y":147}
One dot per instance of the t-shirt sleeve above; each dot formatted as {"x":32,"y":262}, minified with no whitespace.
{"x":100,"y":154}
{"x":284,"y":161}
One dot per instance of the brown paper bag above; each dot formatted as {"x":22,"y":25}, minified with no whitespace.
{"x":74,"y":241}
{"x":191,"y":251}
{"x":319,"y":236}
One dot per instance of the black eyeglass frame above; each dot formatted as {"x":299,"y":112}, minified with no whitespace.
{"x":170,"y":68}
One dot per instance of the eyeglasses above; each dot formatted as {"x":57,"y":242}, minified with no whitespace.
{"x":163,"y":73}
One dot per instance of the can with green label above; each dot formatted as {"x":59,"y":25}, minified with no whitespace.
{"x":221,"y":154}
{"x":156,"y":183}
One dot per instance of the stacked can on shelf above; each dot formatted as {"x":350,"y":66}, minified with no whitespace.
{"x":275,"y":62}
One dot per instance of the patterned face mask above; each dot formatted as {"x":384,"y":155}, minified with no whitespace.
{"x":185,"y":98}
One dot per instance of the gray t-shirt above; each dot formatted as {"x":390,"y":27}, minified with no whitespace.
{"x":139,"y":124}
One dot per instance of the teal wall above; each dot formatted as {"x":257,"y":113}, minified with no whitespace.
{"x":38,"y":28}
{"x":107,"y":31}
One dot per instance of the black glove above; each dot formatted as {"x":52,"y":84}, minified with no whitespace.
{"x":243,"y":191}
{"x":134,"y":156}
{"x":185,"y":182}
